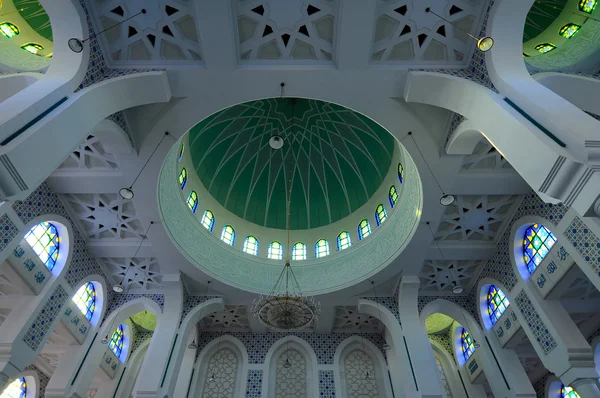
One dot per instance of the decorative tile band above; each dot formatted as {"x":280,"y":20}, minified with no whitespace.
{"x":535,"y":323}
{"x":585,"y":242}
{"x":8,"y":231}
{"x":254,"y":384}
{"x":326,"y":384}
{"x":40,"y":326}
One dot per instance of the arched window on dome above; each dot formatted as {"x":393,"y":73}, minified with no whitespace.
{"x":497,"y":302}
{"x":182,"y":178}
{"x":568,"y":392}
{"x":587,"y":6}
{"x":380,"y":215}
{"x":393,"y":195}
{"x":208,"y":220}
{"x":9,"y":30}
{"x":228,"y":235}
{"x":536,"y":245}
{"x":116,"y":341}
{"x":192,"y":201}
{"x":299,"y":251}
{"x":466,"y":344}
{"x":364,"y":229}
{"x":321,"y":248}
{"x":343,"y":240}
{"x":85,"y":300}
{"x":181,"y":152}
{"x":44,"y":240}
{"x":251,"y":245}
{"x":16,"y":389}
{"x":275,"y":251}
{"x":400,"y":173}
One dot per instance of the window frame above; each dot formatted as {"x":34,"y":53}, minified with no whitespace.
{"x":271,"y":254}
{"x":90,"y":304}
{"x":317,"y":247}
{"x":343,"y":246}
{"x":231,"y":234}
{"x":211,"y":217}
{"x":192,"y":201}
{"x":529,"y":260}
{"x":378,"y":212}
{"x":54,"y":238}
{"x":364,"y":228}
{"x":117,"y":345}
{"x":246,"y":245}
{"x":500,"y":307}
{"x":303,"y":251}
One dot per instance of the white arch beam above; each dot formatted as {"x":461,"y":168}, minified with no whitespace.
{"x":581,"y":91}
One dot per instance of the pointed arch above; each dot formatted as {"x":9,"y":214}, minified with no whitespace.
{"x":380,"y":214}
{"x":299,"y":251}
{"x":275,"y":251}
{"x":321,"y":248}
{"x":364,"y":229}
{"x":228,"y":235}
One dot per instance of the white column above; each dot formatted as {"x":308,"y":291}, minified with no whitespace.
{"x":510,"y":369}
{"x":157,"y":359}
{"x":187,"y":365}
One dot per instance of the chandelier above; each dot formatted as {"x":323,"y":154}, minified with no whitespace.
{"x":285,"y":307}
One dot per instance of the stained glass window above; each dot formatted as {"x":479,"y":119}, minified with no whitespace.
{"x":400,"y":173}
{"x":275,"y":251}
{"x":251,"y":245}
{"x":44,"y":240}
{"x":587,"y":5}
{"x":181,"y":152}
{"x":116,"y":342}
{"x":9,"y":30}
{"x":32,"y":48}
{"x":343,"y":240}
{"x":299,"y":251}
{"x":568,"y":392}
{"x":393,"y":196}
{"x":16,"y":389}
{"x":208,"y":220}
{"x":364,"y":229}
{"x":321,"y":248}
{"x":192,"y":201}
{"x":536,"y":245}
{"x":182,"y":178}
{"x":545,"y":47}
{"x":496,"y":303}
{"x":569,"y":30}
{"x":466,"y":343}
{"x":228,"y":235}
{"x":380,"y":214}
{"x":85,"y":300}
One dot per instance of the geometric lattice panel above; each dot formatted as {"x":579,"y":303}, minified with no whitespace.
{"x":105,"y":216}
{"x":165,"y":35}
{"x":291,"y":381}
{"x":356,"y":366}
{"x":89,"y":155}
{"x":285,"y":30}
{"x":348,"y":318}
{"x":535,"y":323}
{"x":142,"y":273}
{"x":235,"y":317}
{"x":406,"y":34}
{"x":476,"y":218}
{"x":223,"y":370}
{"x":485,"y":157}
{"x":436,"y":276}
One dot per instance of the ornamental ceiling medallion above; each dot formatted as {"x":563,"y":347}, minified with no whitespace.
{"x":286,"y":308}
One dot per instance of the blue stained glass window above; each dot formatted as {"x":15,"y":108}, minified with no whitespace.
{"x":299,"y":251}
{"x":275,"y":251}
{"x":116,"y":342}
{"x":466,"y":343}
{"x":321,"y":248}
{"x":192,"y":201}
{"x":400,"y":173}
{"x":497,"y":303}
{"x":44,"y":240}
{"x":364,"y":229}
{"x":85,"y":299}
{"x":228,"y":235}
{"x":16,"y":389}
{"x":568,"y":392}
{"x":182,"y":178}
{"x":380,"y":215}
{"x":251,"y":246}
{"x":181,"y":152}
{"x":393,"y":196}
{"x":343,"y":240}
{"x":208,"y":220}
{"x":536,"y":245}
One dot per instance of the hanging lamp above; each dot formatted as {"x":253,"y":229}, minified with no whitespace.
{"x":484,"y":44}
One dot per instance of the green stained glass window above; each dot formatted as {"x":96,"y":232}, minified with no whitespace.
{"x":275,"y":251}
{"x":587,"y":6}
{"x":497,"y":303}
{"x":116,"y":342}
{"x":569,"y":30}
{"x":545,"y":47}
{"x":568,"y":392}
{"x":33,"y":48}
{"x":9,"y":30}
{"x":181,"y":152}
{"x":16,"y":389}
{"x":251,"y":246}
{"x":44,"y":240}
{"x":228,"y":235}
{"x":393,"y":196}
{"x":343,"y":240}
{"x":536,"y":245}
{"x":466,"y":343}
{"x":192,"y":201}
{"x":299,"y":251}
{"x":400,"y":173}
{"x":208,"y":220}
{"x":85,"y":300}
{"x":364,"y":229}
{"x":321,"y":248}
{"x":380,"y":214}
{"x":182,"y":178}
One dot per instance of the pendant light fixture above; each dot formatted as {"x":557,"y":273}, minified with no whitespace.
{"x":385,"y":346}
{"x":276,"y":141}
{"x":462,"y":314}
{"x":127,"y":192}
{"x":446,"y":199}
{"x":456,"y":288}
{"x":118,"y":288}
{"x":76,"y":45}
{"x":105,"y":339}
{"x":484,"y":44}
{"x":287,"y":363}
{"x":211,"y":378}
{"x":193,"y":345}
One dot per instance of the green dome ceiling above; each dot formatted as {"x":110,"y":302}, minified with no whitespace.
{"x":340,"y":160}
